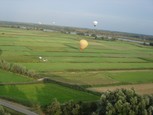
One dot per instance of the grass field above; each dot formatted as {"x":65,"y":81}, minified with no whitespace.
{"x":101,"y":63}
{"x":90,"y":78}
{"x":43,"y":94}
{"x":8,"y":77}
{"x":133,"y":77}
{"x":86,"y":66}
{"x":97,"y":78}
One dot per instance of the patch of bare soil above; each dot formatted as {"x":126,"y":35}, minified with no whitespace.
{"x":139,"y":88}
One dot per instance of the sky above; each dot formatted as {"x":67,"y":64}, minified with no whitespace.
{"x":134,"y":16}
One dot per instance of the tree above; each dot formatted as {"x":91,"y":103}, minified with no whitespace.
{"x":125,"y":102}
{"x":54,"y":108}
{"x":70,"y":108}
{"x":87,"y":108}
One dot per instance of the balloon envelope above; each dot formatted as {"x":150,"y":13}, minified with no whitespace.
{"x":83,"y":44}
{"x":95,"y":23}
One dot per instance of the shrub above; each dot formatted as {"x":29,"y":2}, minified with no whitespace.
{"x":68,"y":108}
{"x":16,"y":69}
{"x":31,"y":73}
{"x":54,"y":108}
{"x":4,"y":65}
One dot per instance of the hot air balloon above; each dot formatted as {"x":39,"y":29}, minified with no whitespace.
{"x":83,"y":44}
{"x":95,"y":23}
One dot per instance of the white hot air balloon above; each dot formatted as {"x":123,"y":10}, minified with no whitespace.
{"x":95,"y":23}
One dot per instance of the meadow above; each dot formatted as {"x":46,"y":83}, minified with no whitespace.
{"x":102,"y":63}
{"x":42,"y":94}
{"x":9,"y":77}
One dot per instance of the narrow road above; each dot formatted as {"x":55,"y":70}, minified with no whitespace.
{"x":17,"y":107}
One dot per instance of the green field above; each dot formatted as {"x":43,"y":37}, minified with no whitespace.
{"x":62,"y":51}
{"x":133,"y":77}
{"x":43,"y":94}
{"x":8,"y":77}
{"x":101,"y":63}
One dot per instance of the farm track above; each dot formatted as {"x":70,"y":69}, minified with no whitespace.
{"x":109,"y":70}
{"x":17,"y":107}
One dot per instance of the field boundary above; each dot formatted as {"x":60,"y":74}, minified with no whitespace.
{"x":72,"y":86}
{"x":21,"y":83}
{"x":118,"y":69}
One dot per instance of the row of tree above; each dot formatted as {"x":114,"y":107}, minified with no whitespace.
{"x":15,"y":68}
{"x":119,"y":102}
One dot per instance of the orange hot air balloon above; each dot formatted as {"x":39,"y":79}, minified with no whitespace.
{"x":83,"y":44}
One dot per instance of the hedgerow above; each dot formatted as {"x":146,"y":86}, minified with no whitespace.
{"x":16,"y":68}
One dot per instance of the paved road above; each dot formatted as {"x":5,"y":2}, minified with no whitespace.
{"x":20,"y":108}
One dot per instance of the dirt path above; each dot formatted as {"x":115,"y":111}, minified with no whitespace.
{"x":17,"y":107}
{"x":139,"y":88}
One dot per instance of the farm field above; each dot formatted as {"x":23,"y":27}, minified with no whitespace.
{"x":97,"y":78}
{"x":43,"y":94}
{"x":9,"y":77}
{"x":139,"y":88}
{"x":101,"y":64}
{"x":38,"y":93}
{"x":133,"y":76}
